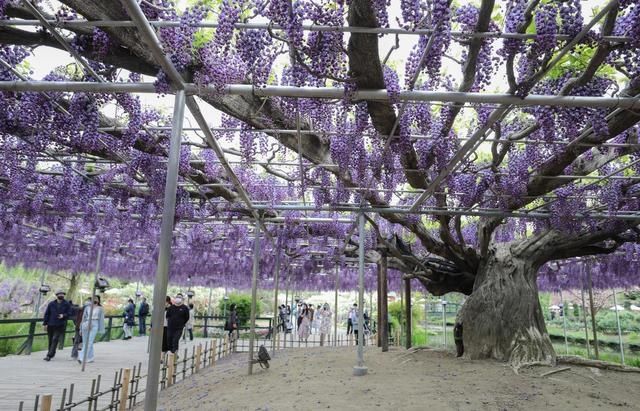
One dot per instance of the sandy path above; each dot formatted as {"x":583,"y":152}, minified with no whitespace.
{"x":320,"y":378}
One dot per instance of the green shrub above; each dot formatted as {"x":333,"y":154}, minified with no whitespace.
{"x":243,"y":307}
{"x":396,"y":312}
{"x":628,"y":322}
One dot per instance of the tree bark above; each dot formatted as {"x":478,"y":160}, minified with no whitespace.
{"x":502,"y":318}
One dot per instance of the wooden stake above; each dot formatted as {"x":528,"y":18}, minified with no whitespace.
{"x":45,"y":403}
{"x":124,"y":390}
{"x":170,"y":369}
{"x":198,"y":356}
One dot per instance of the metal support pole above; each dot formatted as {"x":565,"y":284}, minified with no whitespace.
{"x":335,"y":308}
{"x":564,"y":324}
{"x":584,"y":318}
{"x":85,"y":338}
{"x":407,"y":313}
{"x":360,"y":369}
{"x":426,"y":323}
{"x":162,"y":271}
{"x":37,"y":308}
{"x":206,"y":323}
{"x":444,"y":324}
{"x":254,"y":293}
{"x":379,"y":294}
{"x":275,"y":303}
{"x":615,"y":304}
{"x":383,"y":322}
{"x":593,"y":315}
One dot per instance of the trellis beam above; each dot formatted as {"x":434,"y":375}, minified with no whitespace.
{"x":70,"y":24}
{"x":628,"y":103}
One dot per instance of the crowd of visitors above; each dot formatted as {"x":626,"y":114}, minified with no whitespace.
{"x":89,"y":320}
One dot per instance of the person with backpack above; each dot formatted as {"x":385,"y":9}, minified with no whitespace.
{"x":143,"y":312}
{"x":129,"y":319}
{"x":55,"y":322}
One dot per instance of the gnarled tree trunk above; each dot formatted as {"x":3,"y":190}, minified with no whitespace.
{"x":502,"y":318}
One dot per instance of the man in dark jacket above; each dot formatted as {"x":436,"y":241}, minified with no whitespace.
{"x":143,"y":311}
{"x":55,"y":322}
{"x":177,"y":317}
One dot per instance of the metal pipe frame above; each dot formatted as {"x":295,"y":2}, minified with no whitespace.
{"x":85,"y":340}
{"x":162,"y":273}
{"x":444,"y":211}
{"x":624,"y":103}
{"x":497,"y":114}
{"x":149,"y":36}
{"x":70,"y":24}
{"x":254,"y":296}
{"x":360,"y":368}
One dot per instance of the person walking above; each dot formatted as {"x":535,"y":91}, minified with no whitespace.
{"x":55,"y":322}
{"x":311,"y":312}
{"x":76,"y":314}
{"x":143,"y":312}
{"x":189,"y":327}
{"x":352,"y":313}
{"x":354,"y":320}
{"x":165,"y":330}
{"x":177,"y":318}
{"x":92,"y":324}
{"x":304,"y":329}
{"x":325,"y":324}
{"x":129,"y":319}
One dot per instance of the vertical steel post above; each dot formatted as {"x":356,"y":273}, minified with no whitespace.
{"x":426,"y":309}
{"x":407,"y":313}
{"x":274,"y":329}
{"x":444,"y":324}
{"x":383,"y":322}
{"x":360,"y":369}
{"x":37,"y":308}
{"x":584,"y":317}
{"x":254,"y":293}
{"x":162,"y":271}
{"x":615,"y":304}
{"x":335,"y":308}
{"x":85,"y":338}
{"x":564,"y":324}
{"x":596,"y":349}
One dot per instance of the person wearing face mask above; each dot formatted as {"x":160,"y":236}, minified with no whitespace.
{"x":177,"y":318}
{"x":325,"y":324}
{"x":92,"y":324}
{"x":55,"y":322}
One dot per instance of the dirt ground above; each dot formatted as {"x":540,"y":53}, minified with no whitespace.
{"x":321,"y":378}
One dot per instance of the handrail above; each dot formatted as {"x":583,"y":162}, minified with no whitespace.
{"x":204,"y":322}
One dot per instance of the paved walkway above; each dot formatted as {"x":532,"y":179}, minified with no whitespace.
{"x":25,"y":376}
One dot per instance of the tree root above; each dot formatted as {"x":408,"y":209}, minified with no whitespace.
{"x":544,"y":374}
{"x":603,"y":365}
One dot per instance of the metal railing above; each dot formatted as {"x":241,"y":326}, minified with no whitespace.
{"x":126,"y":391}
{"x":208,"y":325}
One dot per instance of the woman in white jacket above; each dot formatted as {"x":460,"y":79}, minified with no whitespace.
{"x":90,"y":328}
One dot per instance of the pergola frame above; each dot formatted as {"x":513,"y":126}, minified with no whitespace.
{"x":184,"y":95}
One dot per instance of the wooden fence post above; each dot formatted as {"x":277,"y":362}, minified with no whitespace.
{"x":224,"y":346}
{"x":212,"y":354}
{"x":198,"y":356}
{"x":45,"y":403}
{"x":124,"y":389}
{"x":170,"y":369}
